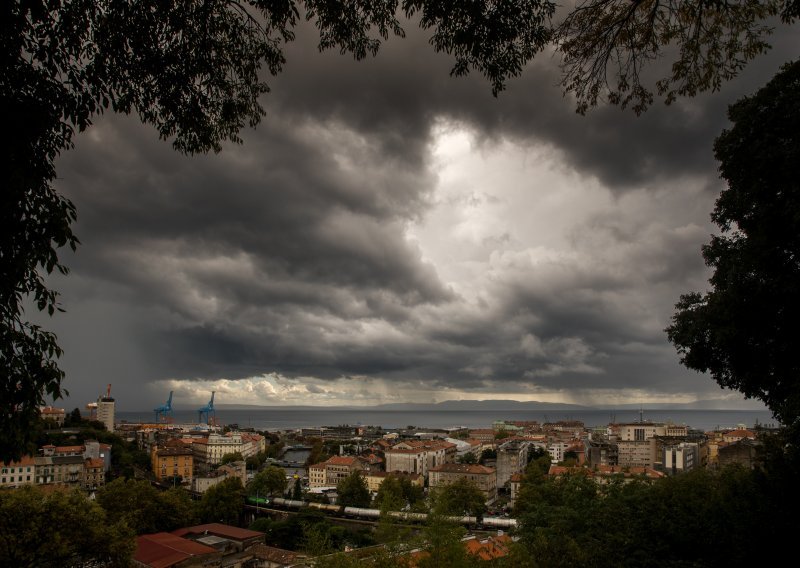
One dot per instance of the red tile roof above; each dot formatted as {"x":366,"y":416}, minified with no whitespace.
{"x":342,"y":460}
{"x":162,"y":550}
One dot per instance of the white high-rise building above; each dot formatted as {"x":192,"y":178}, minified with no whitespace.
{"x":105,"y":410}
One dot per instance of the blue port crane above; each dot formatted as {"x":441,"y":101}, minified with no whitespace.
{"x":208,"y":411}
{"x":164,"y":410}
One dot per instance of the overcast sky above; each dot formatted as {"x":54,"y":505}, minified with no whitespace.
{"x":390,"y":234}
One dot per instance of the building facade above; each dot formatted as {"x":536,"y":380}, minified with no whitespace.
{"x":484,"y":477}
{"x":172,"y":462}
{"x":418,"y":456}
{"x":512,"y":457}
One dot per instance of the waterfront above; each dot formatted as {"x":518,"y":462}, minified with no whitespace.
{"x":293,"y":418}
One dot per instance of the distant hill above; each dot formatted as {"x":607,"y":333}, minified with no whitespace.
{"x":502,"y":405}
{"x":466,"y":405}
{"x":454,"y":405}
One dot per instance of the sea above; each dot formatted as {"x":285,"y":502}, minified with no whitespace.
{"x":293,"y":418}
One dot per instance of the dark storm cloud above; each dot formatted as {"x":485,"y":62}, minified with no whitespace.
{"x":394,"y":96}
{"x":289,"y":254}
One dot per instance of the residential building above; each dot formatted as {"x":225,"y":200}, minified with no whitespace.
{"x":105,"y":410}
{"x":375,"y":478}
{"x":485,"y":435}
{"x":94,"y":474}
{"x":173,"y":461}
{"x":57,"y":415}
{"x":600,"y":452}
{"x":202,"y":483}
{"x":738,"y":434}
{"x":235,"y":469}
{"x":637,"y":453}
{"x":742,"y":452}
{"x":680,"y":457}
{"x":514,"y":484}
{"x":252,"y":444}
{"x":333,"y":470}
{"x":557,"y":451}
{"x":59,"y":470}
{"x":484,"y":477}
{"x":165,"y":550}
{"x":418,"y":456}
{"x":512,"y":457}
{"x":239,"y":538}
{"x":210,"y":450}
{"x":18,"y":473}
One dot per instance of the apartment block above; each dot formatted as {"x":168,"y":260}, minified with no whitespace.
{"x":484,"y":477}
{"x":512,"y":457}
{"x":18,"y":473}
{"x":418,"y":456}
{"x":330,"y":472}
{"x":173,"y":461}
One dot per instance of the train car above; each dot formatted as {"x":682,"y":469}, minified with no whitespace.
{"x":408,"y":516}
{"x":260,"y":501}
{"x":499,"y":522}
{"x":362,"y":513}
{"x":333,"y":509}
{"x":289,"y":503}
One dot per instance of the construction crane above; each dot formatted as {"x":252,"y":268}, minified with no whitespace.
{"x":208,"y":411}
{"x":164,"y":410}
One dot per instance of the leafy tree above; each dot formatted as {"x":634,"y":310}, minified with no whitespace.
{"x":136,"y":503}
{"x":231,"y":457}
{"x":536,"y":452}
{"x":175,"y":510}
{"x":318,"y":453}
{"x":469,"y":457}
{"x":297,"y":490}
{"x":59,"y":529}
{"x":487,"y":454}
{"x":269,"y":481}
{"x":572,"y":521}
{"x":462,"y":497}
{"x":709,"y":42}
{"x":74,"y":418}
{"x":261,"y":524}
{"x":256,"y":461}
{"x":413,"y":494}
{"x":443,"y":544}
{"x":223,"y":503}
{"x":744,"y":330}
{"x":274,"y":451}
{"x":390,"y":495}
{"x":353,"y":492}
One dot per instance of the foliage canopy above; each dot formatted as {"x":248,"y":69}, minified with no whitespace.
{"x":744,"y":330}
{"x":60,"y":528}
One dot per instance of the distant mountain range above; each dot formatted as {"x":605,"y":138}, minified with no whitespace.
{"x":501,"y":405}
